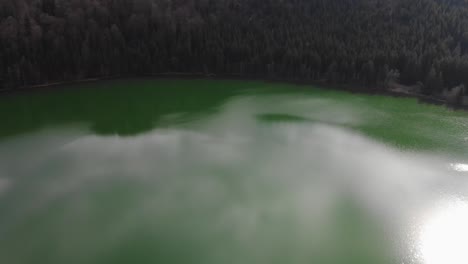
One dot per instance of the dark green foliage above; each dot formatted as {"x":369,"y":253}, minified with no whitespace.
{"x":342,"y":41}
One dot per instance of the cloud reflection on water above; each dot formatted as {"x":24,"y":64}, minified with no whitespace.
{"x":250,"y":191}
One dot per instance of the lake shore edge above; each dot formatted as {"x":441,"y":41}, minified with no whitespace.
{"x":351,"y":88}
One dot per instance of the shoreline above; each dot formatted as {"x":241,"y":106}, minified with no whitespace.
{"x":351,"y":88}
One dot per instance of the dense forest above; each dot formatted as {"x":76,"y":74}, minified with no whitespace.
{"x":339,"y":41}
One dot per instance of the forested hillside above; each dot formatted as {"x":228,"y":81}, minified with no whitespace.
{"x":342,"y":41}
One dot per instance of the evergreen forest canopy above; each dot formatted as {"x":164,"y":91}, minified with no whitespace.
{"x":341,"y":41}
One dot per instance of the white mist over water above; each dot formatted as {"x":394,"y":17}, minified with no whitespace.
{"x":236,"y":188}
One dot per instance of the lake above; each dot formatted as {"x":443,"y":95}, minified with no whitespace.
{"x":241,"y":172}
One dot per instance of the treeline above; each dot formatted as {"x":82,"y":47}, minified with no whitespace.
{"x":342,"y":41}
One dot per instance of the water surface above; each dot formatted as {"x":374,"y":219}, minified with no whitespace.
{"x":198,"y":171}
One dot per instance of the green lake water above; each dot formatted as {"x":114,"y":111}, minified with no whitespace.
{"x":229,"y":172}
